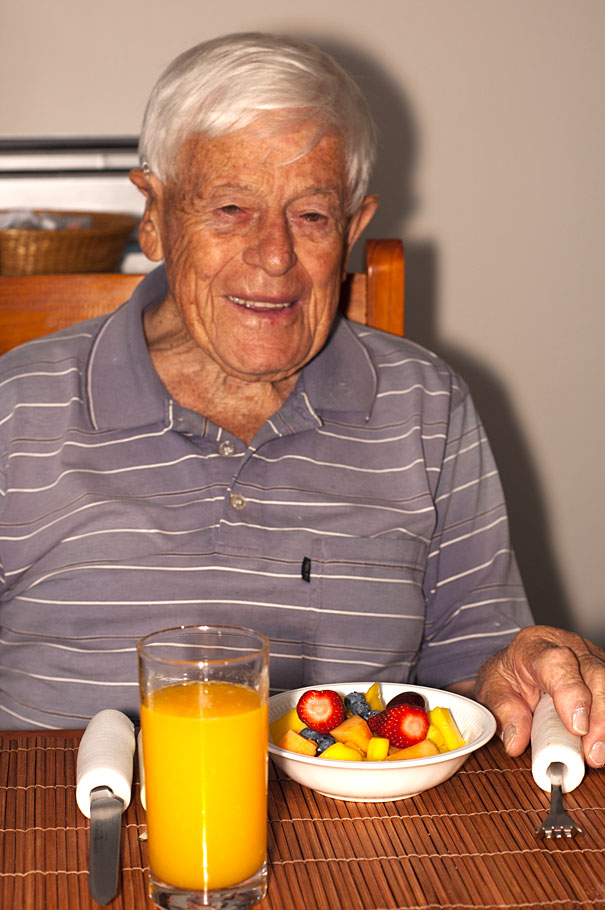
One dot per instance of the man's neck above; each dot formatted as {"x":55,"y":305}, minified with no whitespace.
{"x":198,"y":383}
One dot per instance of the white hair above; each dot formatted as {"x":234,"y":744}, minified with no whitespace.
{"x":223,"y":85}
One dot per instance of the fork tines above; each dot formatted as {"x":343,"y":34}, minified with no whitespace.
{"x":557,"y":823}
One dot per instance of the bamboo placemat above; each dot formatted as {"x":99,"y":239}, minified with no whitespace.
{"x":469,"y":843}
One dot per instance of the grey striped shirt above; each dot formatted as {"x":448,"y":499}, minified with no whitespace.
{"x":363,"y":530}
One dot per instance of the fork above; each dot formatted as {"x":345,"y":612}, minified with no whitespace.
{"x":557,"y":823}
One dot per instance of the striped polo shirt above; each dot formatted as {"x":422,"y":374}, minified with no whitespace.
{"x":363,"y":530}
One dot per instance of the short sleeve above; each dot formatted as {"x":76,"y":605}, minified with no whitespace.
{"x":475,"y":601}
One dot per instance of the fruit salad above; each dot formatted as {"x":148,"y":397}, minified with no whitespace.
{"x":360,"y":727}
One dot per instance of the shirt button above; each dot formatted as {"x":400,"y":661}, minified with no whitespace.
{"x":226,"y":447}
{"x":237,"y":501}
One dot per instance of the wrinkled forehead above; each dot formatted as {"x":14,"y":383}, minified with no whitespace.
{"x":272,"y":141}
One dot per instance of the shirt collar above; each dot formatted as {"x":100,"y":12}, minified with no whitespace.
{"x":342,"y":377}
{"x":123,"y":389}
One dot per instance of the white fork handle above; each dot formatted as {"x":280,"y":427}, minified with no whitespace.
{"x":551,"y":741}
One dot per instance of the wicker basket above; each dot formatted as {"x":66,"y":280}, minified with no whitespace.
{"x":96,"y":249}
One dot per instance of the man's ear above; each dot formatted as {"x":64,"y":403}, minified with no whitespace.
{"x":358,"y":223}
{"x":150,"y":237}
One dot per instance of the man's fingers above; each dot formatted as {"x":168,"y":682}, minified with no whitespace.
{"x":497,"y":690}
{"x":543,"y":659}
{"x":514,"y":724}
{"x":557,"y":671}
{"x":593,"y":671}
{"x":572,"y":671}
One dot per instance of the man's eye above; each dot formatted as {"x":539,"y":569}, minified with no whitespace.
{"x":230,"y":209}
{"x":313,"y":216}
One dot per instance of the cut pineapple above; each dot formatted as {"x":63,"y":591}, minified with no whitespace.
{"x":442,"y":719}
{"x":436,"y":736}
{"x":288,"y":721}
{"x":373,"y":697}
{"x":340,"y":752}
{"x":378,"y":748}
{"x":351,"y":745}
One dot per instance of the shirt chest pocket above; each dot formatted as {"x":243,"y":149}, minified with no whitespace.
{"x":368,"y":606}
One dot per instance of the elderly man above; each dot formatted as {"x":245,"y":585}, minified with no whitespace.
{"x":225,"y":448}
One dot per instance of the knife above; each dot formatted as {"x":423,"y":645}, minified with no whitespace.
{"x":143,"y":794}
{"x":104,"y":858}
{"x":104,"y":779}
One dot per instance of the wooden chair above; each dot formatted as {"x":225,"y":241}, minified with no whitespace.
{"x":34,"y":305}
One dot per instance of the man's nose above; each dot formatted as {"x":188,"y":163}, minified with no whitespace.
{"x":272,"y":247}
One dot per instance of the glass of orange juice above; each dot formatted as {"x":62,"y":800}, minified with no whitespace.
{"x":204,"y":721}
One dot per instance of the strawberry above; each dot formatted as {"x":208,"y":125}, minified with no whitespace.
{"x":321,"y":709}
{"x":375,"y":722}
{"x":403,"y":725}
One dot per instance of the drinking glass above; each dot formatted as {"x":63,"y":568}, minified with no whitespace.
{"x":204,"y":721}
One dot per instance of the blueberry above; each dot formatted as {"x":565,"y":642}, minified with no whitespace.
{"x":356,"y":703}
{"x":323,"y":740}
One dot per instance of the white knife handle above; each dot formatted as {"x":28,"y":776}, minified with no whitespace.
{"x":551,"y":741}
{"x":105,"y":757}
{"x":141,"y":769}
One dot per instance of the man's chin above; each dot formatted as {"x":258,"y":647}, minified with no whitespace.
{"x":265,"y":373}
{"x":265,"y":367}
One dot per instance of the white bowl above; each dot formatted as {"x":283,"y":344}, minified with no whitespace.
{"x":369,"y":782}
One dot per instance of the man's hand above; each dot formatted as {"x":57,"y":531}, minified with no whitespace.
{"x":543,"y":659}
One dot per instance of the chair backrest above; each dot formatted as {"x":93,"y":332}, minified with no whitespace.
{"x":35,"y":305}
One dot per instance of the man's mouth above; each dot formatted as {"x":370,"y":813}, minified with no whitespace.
{"x":260,"y":304}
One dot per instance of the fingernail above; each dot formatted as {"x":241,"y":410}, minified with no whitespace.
{"x":508,"y":734}
{"x":580,"y":721}
{"x":597,"y":754}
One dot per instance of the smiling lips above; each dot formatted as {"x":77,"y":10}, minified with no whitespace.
{"x":260,"y":304}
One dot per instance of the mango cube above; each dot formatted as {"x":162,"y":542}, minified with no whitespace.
{"x":378,"y":748}
{"x":288,"y":721}
{"x":445,"y":723}
{"x":294,"y":742}
{"x":354,"y":729}
{"x":340,"y":752}
{"x":424,"y":749}
{"x":373,"y":697}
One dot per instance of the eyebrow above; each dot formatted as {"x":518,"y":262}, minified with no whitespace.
{"x":319,"y":190}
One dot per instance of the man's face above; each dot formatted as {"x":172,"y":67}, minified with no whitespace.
{"x":255,"y":247}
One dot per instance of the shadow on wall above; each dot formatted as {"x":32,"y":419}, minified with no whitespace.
{"x":393,"y":175}
{"x":393,"y":182}
{"x":518,"y":471}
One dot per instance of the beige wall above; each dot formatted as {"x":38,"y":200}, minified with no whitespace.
{"x":491,"y":169}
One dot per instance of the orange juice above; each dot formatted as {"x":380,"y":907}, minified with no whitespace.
{"x":205,"y":755}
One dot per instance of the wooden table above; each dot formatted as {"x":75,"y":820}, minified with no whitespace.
{"x":468,"y":843}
